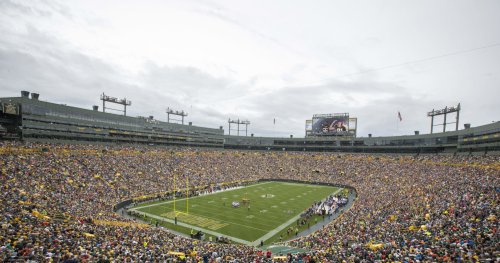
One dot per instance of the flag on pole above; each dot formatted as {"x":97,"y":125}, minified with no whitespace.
{"x":399,"y":116}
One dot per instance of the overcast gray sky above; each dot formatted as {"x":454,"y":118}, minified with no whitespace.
{"x":260,"y":60}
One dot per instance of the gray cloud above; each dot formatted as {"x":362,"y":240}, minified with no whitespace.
{"x":41,"y":8}
{"x":219,"y":12}
{"x":37,"y":58}
{"x":292,"y":106}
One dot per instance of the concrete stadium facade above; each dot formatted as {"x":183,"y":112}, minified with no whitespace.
{"x":30,"y":119}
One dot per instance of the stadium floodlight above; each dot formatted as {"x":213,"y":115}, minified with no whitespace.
{"x":238,"y":122}
{"x":105,"y":98}
{"x":176,"y":112}
{"x":444,"y":112}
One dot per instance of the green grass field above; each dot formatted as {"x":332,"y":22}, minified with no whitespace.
{"x":273,"y":207}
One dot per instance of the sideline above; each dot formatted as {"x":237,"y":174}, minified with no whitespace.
{"x":217,"y":234}
{"x":181,"y":199}
{"x":284,"y":225}
{"x":254,"y":243}
{"x":353,"y":197}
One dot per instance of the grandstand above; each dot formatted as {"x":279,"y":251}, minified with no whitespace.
{"x":34,"y":120}
{"x":478,"y":140}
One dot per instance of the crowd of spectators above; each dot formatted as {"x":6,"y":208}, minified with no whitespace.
{"x":57,"y":204}
{"x":328,"y":206}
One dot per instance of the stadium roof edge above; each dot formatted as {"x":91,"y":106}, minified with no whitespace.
{"x":52,"y":104}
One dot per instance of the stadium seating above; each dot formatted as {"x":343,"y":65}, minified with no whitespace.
{"x":57,"y":204}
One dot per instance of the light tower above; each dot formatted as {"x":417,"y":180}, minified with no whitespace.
{"x":178,"y":113}
{"x":444,"y":112}
{"x":238,"y":122}
{"x":105,"y":98}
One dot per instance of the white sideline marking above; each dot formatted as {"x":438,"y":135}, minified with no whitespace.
{"x":217,"y":234}
{"x":281,"y":227}
{"x":255,"y":243}
{"x":177,"y":200}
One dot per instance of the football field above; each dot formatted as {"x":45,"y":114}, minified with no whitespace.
{"x":273,"y":206}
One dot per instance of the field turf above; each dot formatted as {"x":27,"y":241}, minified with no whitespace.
{"x":273,"y":207}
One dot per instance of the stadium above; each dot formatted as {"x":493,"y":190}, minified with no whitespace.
{"x":223,"y":131}
{"x":83,"y":185}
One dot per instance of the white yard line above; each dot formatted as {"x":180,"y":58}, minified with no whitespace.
{"x":217,"y":234}
{"x":282,"y":226}
{"x":171,"y":201}
{"x":255,"y":243}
